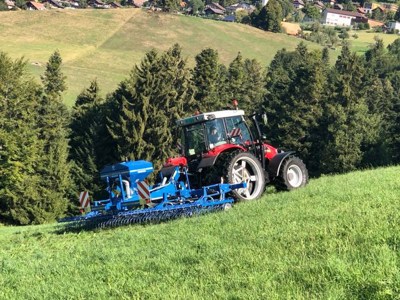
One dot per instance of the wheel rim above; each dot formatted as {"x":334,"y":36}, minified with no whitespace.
{"x":245,"y":172}
{"x":294,"y":176}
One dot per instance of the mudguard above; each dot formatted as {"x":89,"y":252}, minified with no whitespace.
{"x":207,"y":162}
{"x":209,"y":159}
{"x":275,"y":164}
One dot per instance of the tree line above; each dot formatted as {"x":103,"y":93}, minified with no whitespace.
{"x":338,"y":118}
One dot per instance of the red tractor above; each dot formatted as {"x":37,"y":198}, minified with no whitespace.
{"x":220,"y":147}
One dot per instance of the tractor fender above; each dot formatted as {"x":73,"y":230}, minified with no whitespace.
{"x":211,"y":157}
{"x":275,"y":163}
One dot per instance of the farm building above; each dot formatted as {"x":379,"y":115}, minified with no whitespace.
{"x":337,"y":17}
{"x":394,"y":26}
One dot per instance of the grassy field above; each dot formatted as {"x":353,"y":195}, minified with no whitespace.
{"x":105,"y":44}
{"x":366,"y":38}
{"x":338,"y":238}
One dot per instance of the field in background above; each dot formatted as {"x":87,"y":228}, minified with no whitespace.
{"x":337,"y":238}
{"x":106,"y":44}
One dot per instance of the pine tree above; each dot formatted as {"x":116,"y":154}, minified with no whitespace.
{"x":236,"y":76}
{"x":20,"y":198}
{"x":380,"y":104}
{"x":274,"y":16}
{"x":172,"y":99}
{"x":130,"y":108}
{"x":253,"y":86}
{"x":54,"y":166}
{"x":346,"y":123}
{"x":205,"y":79}
{"x":295,"y":85}
{"x":148,"y":104}
{"x":87,"y":133}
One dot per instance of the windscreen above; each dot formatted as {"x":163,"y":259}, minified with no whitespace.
{"x":194,"y":139}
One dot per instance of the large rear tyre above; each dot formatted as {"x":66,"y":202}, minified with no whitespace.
{"x":292,"y":175}
{"x":245,"y":167}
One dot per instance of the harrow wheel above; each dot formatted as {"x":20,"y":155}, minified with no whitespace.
{"x":245,"y":167}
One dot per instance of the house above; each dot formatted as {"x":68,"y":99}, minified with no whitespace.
{"x":52,"y":4}
{"x":338,"y":6}
{"x":213,"y":11}
{"x":32,"y":5}
{"x":136,"y":3}
{"x":115,"y":5}
{"x":320,"y":5}
{"x":97,"y":4}
{"x":337,"y":17}
{"x":389,"y":7}
{"x":240,"y":7}
{"x":394,"y":26}
{"x":216,"y":5}
{"x":369,"y":7}
{"x":70,"y":3}
{"x":329,"y":2}
{"x":379,"y":10}
{"x":361,"y":10}
{"x":298,"y":4}
{"x":10,"y":4}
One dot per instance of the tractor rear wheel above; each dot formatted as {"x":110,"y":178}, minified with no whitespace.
{"x":245,"y":167}
{"x":292,"y":175}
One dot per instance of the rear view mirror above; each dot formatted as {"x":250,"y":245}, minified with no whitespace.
{"x":264,"y":118}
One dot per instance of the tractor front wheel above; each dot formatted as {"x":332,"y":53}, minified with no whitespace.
{"x":292,"y":175}
{"x":245,"y":167}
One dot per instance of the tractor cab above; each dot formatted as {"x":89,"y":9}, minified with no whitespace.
{"x":214,"y":131}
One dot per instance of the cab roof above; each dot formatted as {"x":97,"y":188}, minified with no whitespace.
{"x":209,"y":116}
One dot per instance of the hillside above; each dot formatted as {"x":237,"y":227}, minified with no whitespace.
{"x":105,"y":44}
{"x":338,"y":238}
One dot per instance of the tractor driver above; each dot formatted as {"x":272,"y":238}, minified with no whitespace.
{"x":214,"y":136}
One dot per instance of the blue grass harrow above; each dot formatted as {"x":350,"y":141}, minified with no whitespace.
{"x":131,"y":200}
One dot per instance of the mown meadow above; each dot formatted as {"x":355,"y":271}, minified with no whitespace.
{"x":337,"y":238}
{"x":106,"y":44}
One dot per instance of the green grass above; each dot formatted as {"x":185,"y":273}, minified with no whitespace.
{"x":366,"y":39}
{"x":338,"y":238}
{"x":105,"y":44}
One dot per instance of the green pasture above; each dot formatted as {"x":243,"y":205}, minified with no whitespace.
{"x":366,"y":39}
{"x":337,"y":238}
{"x":106,"y":44}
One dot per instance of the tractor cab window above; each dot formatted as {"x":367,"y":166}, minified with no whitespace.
{"x":194,"y":139}
{"x":238,"y":130}
{"x":216,"y":134}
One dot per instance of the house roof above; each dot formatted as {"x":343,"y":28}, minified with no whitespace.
{"x":218,"y":6}
{"x":53,"y":2}
{"x":361,"y":10}
{"x":298,"y":2}
{"x":344,"y":12}
{"x":215,"y":10}
{"x":36,"y":5}
{"x":115,"y":4}
{"x":379,"y":8}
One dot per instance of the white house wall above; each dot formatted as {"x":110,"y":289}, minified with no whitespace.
{"x":336,"y":19}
